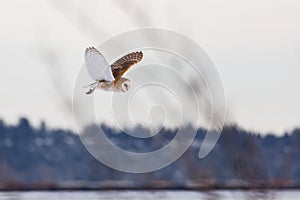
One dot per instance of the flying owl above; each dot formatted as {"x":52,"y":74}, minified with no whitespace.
{"x":109,"y":77}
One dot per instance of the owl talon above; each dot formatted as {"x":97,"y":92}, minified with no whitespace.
{"x":90,"y":91}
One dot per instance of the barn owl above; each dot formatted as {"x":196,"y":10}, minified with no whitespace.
{"x":109,"y":77}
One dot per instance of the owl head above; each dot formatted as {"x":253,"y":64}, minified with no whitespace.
{"x":123,"y":84}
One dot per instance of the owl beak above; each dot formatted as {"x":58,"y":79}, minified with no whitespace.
{"x":127,"y":87}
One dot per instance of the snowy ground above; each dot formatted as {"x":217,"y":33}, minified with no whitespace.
{"x":149,"y":195}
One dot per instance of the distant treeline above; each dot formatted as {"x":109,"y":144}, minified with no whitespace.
{"x":30,"y":156}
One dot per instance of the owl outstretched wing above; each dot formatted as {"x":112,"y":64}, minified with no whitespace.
{"x":119,"y":67}
{"x":96,"y":65}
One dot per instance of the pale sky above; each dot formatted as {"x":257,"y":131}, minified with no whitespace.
{"x":255,"y":45}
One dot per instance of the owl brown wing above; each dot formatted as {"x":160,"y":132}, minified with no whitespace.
{"x":119,"y":67}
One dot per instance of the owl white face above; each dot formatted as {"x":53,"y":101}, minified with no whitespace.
{"x":125,"y":85}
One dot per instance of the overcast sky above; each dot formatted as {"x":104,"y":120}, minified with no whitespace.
{"x":255,"y":45}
